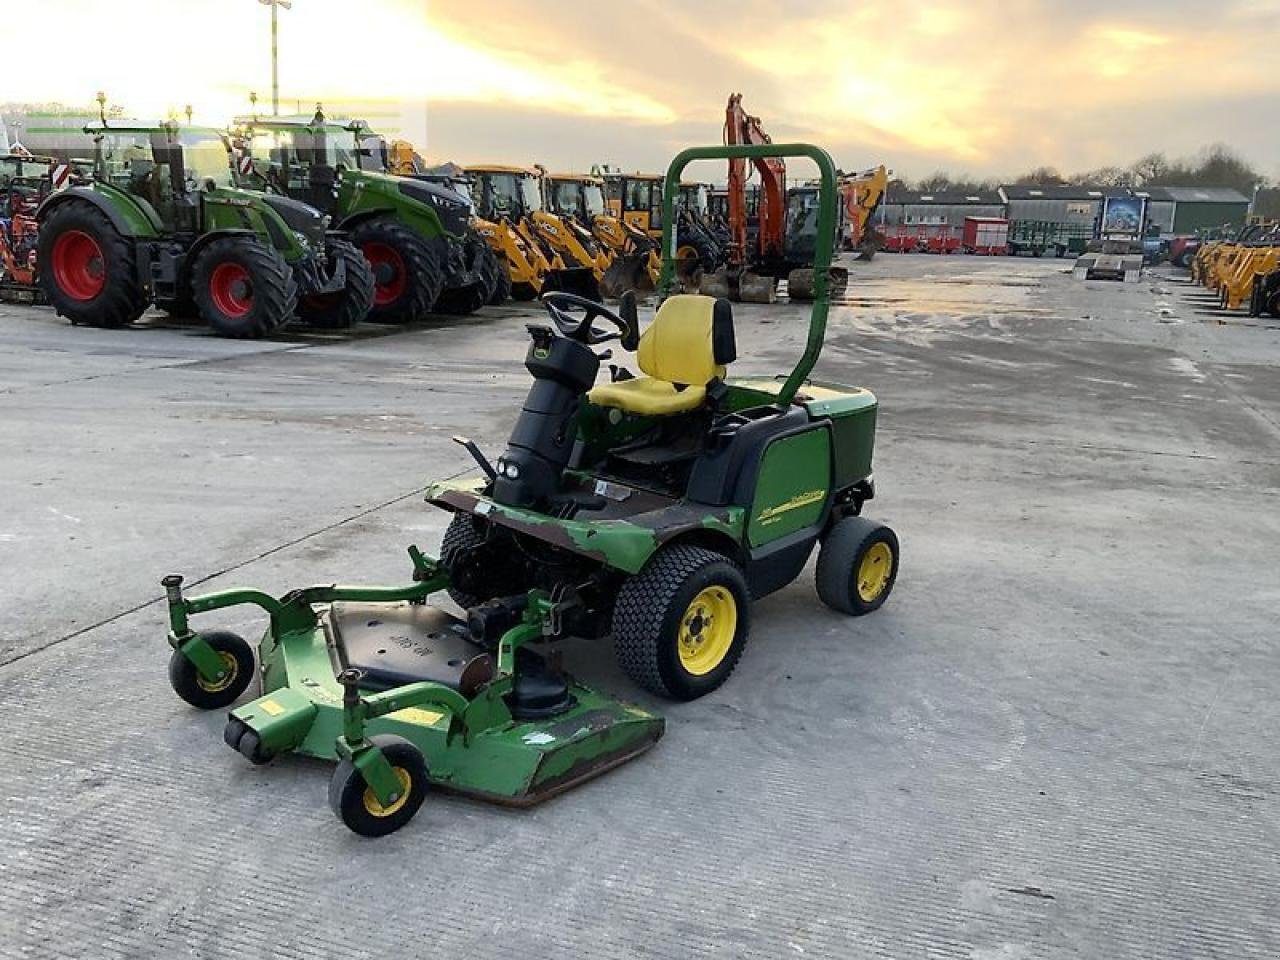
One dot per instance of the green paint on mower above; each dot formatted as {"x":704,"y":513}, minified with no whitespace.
{"x":654,"y":511}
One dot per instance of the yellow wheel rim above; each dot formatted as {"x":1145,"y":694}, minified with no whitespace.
{"x":707,"y":629}
{"x":873,"y":572}
{"x":375,"y":809}
{"x":230,"y":669}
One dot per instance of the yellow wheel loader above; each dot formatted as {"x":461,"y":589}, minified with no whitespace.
{"x":508,"y":202}
{"x":631,"y":257}
{"x":636,"y":199}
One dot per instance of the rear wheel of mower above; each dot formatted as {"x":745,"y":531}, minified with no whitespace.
{"x":407,"y":273}
{"x":237,"y":660}
{"x":680,"y":625}
{"x":89,"y":271}
{"x":243,"y":288}
{"x":857,"y":566}
{"x":344,"y":308}
{"x":357,"y":807}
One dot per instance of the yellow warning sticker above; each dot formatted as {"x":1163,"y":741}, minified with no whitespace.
{"x":428,"y":718}
{"x":271,"y":708}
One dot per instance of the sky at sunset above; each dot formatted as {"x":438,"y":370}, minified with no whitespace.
{"x":980,"y":86}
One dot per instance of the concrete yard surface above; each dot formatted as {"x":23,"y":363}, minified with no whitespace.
{"x":1057,"y":739}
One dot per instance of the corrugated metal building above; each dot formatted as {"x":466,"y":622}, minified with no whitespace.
{"x":1075,"y":205}
{"x":913,"y":208}
{"x":1179,"y":210}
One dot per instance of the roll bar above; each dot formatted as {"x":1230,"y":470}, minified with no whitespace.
{"x":823,"y":253}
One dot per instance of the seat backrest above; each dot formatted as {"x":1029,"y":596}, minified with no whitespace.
{"x":689,"y":341}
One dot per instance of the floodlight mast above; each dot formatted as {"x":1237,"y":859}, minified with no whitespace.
{"x":275,"y":48}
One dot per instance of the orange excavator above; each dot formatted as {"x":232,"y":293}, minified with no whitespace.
{"x":758,"y":259}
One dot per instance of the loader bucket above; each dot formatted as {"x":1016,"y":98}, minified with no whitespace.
{"x":716,"y":284}
{"x":743,"y":287}
{"x":800,"y":283}
{"x":576,"y":280}
{"x":627,"y":272}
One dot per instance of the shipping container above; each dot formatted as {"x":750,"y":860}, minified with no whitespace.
{"x":985,"y":236}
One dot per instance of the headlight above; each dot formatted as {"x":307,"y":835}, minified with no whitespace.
{"x":302,"y":238}
{"x":510,"y":470}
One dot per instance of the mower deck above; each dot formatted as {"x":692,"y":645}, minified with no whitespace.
{"x":509,"y":761}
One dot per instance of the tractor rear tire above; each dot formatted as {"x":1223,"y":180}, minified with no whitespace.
{"x":407,"y":271}
{"x":501,"y":292}
{"x":244,"y":289}
{"x":344,"y":308}
{"x":857,"y":566}
{"x":88,"y":270}
{"x":681,"y":624}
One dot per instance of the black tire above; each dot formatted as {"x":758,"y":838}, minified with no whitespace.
{"x":524,"y":292}
{"x":841,"y":578}
{"x":355,"y":806}
{"x":243,"y":288}
{"x":501,"y":292}
{"x":1273,"y":304}
{"x":407,"y":271}
{"x":650,"y":612}
{"x":495,"y":573}
{"x":191,"y":687}
{"x":92,"y":281}
{"x":347,"y":307}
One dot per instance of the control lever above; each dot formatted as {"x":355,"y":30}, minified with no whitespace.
{"x":605,"y":354}
{"x":470,"y":446}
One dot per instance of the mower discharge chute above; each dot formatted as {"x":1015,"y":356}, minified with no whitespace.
{"x":653,"y":508}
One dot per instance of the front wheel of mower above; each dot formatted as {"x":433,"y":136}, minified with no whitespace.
{"x":342,"y":309}
{"x":680,"y":625}
{"x":857,"y":566}
{"x":357,"y":806}
{"x":237,"y":660}
{"x":243,"y":288}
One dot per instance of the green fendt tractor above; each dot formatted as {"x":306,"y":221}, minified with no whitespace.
{"x":162,"y":223}
{"x":655,"y":508}
{"x":416,"y":234}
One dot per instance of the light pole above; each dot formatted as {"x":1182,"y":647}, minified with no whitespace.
{"x":275,"y":34}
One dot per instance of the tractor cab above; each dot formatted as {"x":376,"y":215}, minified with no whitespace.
{"x":166,"y":169}
{"x":506,"y":193}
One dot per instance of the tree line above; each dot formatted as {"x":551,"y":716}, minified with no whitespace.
{"x":1215,"y":166}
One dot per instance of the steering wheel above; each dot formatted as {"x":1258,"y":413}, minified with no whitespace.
{"x":563,"y":308}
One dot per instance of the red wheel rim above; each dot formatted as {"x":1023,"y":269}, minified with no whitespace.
{"x":79,"y":268}
{"x":231,"y":289}
{"x":389,"y":273}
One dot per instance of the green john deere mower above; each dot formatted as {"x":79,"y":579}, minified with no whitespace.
{"x":652,"y":508}
{"x":417,"y":234}
{"x":162,"y":223}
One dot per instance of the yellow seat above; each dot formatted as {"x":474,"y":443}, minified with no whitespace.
{"x":685,"y":348}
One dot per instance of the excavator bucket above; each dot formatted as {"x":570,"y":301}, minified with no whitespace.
{"x":629,"y":271}
{"x":744,"y":287}
{"x":800,"y":283}
{"x":576,"y":280}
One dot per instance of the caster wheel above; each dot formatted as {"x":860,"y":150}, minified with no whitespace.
{"x":238,"y":664}
{"x":357,"y":807}
{"x":857,"y":566}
